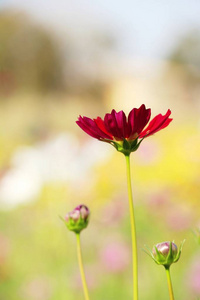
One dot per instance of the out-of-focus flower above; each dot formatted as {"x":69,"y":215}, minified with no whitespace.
{"x":150,"y":153}
{"x":158,"y":200}
{"x":112,"y":214}
{"x":5,"y":248}
{"x":39,"y":288}
{"x":115,"y":256}
{"x":178,"y":217}
{"x":49,"y":161}
{"x":166,"y":253}
{"x":4,"y":256}
{"x":193,"y":279}
{"x":124,"y":133}
{"x":77,"y":219}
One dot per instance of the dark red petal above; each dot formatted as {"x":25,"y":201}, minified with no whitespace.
{"x":122,"y":124}
{"x":100,"y":123}
{"x":112,"y":125}
{"x":90,"y":127}
{"x":156,"y":124}
{"x":138,"y":119}
{"x":84,"y":125}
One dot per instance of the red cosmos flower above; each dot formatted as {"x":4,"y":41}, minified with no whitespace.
{"x":124,"y":133}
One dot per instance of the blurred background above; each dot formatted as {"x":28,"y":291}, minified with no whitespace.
{"x":61,"y":59}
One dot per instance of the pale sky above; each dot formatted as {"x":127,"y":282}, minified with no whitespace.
{"x":146,"y":28}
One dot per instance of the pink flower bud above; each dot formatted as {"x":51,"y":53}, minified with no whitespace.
{"x":83,"y":211}
{"x":164,"y":249}
{"x":165,"y":253}
{"x":75,"y":215}
{"x":77,"y":219}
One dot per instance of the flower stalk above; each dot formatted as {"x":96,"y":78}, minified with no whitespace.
{"x":77,"y":220}
{"x":80,"y":261}
{"x":133,"y":230}
{"x":169,"y":282}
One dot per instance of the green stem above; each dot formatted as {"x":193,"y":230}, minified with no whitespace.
{"x":133,"y":230}
{"x":171,"y":294}
{"x":85,"y":289}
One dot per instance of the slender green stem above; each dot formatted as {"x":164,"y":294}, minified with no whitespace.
{"x":85,"y":288}
{"x":133,"y":230}
{"x":171,"y":294}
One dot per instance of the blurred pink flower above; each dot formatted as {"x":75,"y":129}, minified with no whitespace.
{"x":38,"y":288}
{"x":194,"y":277}
{"x":113,"y":212}
{"x":115,"y":256}
{"x":5,"y":248}
{"x":179,"y":217}
{"x":149,"y":153}
{"x":158,"y":200}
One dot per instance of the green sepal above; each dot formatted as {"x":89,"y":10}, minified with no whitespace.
{"x":126,"y":145}
{"x":149,"y":253}
{"x":160,"y":257}
{"x":123,"y":147}
{"x":134,"y":145}
{"x":170,"y":257}
{"x":62,"y":218}
{"x":76,"y":226}
{"x":179,"y":252}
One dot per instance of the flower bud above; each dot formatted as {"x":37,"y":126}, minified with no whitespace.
{"x":165,"y":253}
{"x":77,"y":219}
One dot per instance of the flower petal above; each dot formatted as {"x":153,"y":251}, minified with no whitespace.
{"x":100,"y":123}
{"x":123,"y":126}
{"x":90,"y":127}
{"x":138,"y":119}
{"x":156,"y":124}
{"x":112,"y":126}
{"x":83,"y":123}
